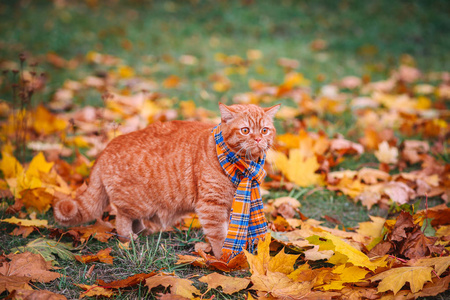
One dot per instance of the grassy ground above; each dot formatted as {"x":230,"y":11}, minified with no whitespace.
{"x":361,"y":39}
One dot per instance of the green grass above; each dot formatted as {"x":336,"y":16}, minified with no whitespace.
{"x":362,"y":38}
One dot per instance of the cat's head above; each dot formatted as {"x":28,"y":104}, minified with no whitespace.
{"x":248,"y":129}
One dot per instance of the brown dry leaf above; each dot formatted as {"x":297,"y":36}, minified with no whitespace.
{"x":280,"y":286}
{"x":99,"y":231}
{"x":29,"y":265}
{"x":10,"y":283}
{"x":403,"y":223}
{"x":24,"y":231}
{"x":94,"y":291}
{"x":26,"y":294}
{"x":127,"y":282}
{"x":357,"y":293}
{"x":179,"y":286}
{"x":102,"y":256}
{"x":394,"y":279}
{"x":229,"y":284}
{"x":430,"y":289}
{"x":419,"y":245}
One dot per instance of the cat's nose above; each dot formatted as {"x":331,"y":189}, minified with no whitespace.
{"x":257,"y":140}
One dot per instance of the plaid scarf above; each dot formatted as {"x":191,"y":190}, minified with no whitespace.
{"x":247,"y":223}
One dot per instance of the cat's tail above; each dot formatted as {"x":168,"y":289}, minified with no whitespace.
{"x":88,"y":206}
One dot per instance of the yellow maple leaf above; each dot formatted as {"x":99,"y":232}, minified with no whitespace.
{"x":229,"y":284}
{"x":347,"y":274}
{"x":38,"y":164}
{"x":297,"y":168}
{"x":10,"y":166}
{"x":44,"y":122}
{"x":345,"y":253}
{"x":440,"y":264}
{"x":259,"y":262}
{"x":395,"y":279}
{"x":38,"y":199}
{"x":282,"y":262}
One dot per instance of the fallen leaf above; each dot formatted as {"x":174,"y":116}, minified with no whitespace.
{"x":280,"y":286}
{"x":127,"y":282}
{"x":440,"y":264}
{"x":94,"y":291}
{"x":25,"y":294}
{"x":99,"y":231}
{"x":47,"y":249}
{"x":387,"y":154}
{"x":10,"y":283}
{"x":179,"y":286}
{"x":102,"y":256}
{"x":297,"y":168}
{"x":229,"y":284}
{"x":28,"y":265}
{"x":395,"y":279}
{"x":25,"y":222}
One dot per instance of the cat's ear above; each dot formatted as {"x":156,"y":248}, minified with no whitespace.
{"x":271,"y":111}
{"x":226,"y":113}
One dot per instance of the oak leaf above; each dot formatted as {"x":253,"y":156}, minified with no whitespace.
{"x":179,"y":286}
{"x":229,"y":284}
{"x":395,"y":279}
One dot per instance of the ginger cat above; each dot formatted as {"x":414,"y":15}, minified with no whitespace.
{"x":166,"y":170}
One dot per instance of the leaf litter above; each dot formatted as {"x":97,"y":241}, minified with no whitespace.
{"x":404,"y":255}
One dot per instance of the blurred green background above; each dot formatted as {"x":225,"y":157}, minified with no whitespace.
{"x":329,"y":39}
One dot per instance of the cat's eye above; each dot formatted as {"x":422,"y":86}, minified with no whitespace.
{"x":265,"y":130}
{"x":245,"y":130}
